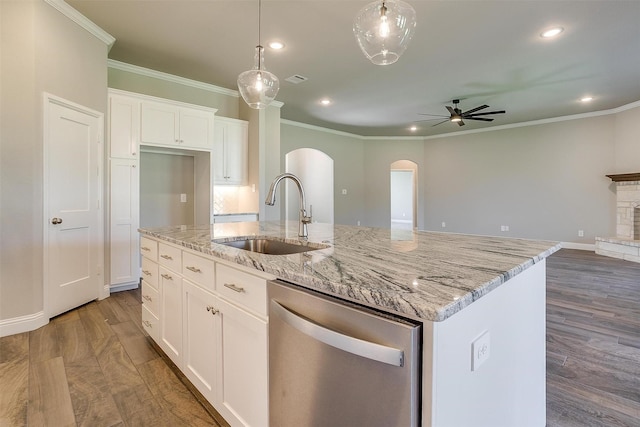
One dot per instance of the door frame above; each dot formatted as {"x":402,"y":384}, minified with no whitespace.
{"x":50,"y":99}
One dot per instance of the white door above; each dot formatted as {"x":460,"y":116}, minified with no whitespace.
{"x":73,"y":237}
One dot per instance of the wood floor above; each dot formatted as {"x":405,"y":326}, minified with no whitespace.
{"x":94,"y":366}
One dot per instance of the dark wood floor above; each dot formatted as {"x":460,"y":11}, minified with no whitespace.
{"x":593,"y":340}
{"x":95,"y":366}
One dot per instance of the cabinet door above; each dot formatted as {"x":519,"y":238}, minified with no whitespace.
{"x":236,"y":153}
{"x":201,"y":338}
{"x":159,"y":124}
{"x":124,"y":127}
{"x":170,"y":315}
{"x":196,"y":128}
{"x":242,"y":397}
{"x":219,"y":171}
{"x":124,"y":219}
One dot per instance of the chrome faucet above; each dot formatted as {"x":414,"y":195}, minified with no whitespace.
{"x":271,"y":200}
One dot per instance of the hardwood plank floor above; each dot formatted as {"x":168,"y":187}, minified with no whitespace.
{"x":593,"y":332}
{"x":95,"y":366}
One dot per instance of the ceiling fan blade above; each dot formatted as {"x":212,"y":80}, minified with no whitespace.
{"x":460,"y":123}
{"x":432,"y":115}
{"x":482,"y":107}
{"x":439,"y":123}
{"x":482,"y":119}
{"x":484,"y":114}
{"x":451,"y":110}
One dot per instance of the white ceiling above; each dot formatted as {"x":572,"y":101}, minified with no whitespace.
{"x":481,"y":51}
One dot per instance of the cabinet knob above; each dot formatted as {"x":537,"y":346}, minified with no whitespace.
{"x":194,"y":269}
{"x":56,"y":221}
{"x":146,"y":272}
{"x":166,"y":276}
{"x":166,"y":257}
{"x":147,"y":324}
{"x":147,"y":297}
{"x":212,"y":310}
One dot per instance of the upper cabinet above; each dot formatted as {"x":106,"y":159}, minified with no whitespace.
{"x":171,"y":125}
{"x":124,"y":127}
{"x":230,"y":151}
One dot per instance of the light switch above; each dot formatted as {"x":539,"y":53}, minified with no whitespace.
{"x":183,"y":198}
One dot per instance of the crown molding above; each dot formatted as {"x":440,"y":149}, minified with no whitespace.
{"x":68,"y":11}
{"x":351,"y":135}
{"x":541,"y":122}
{"x":147,"y":72}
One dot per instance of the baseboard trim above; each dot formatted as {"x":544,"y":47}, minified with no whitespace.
{"x":123,"y":287}
{"x":579,"y":246}
{"x":18,"y":325}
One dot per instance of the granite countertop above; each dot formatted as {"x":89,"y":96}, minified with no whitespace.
{"x":419,"y":274}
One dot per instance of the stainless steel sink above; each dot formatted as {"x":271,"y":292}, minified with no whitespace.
{"x":271,"y":246}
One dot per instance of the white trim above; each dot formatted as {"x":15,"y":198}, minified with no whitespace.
{"x":18,"y":325}
{"x":580,"y":246}
{"x":351,"y":135}
{"x":540,"y":122}
{"x":123,"y":66}
{"x":83,"y":21}
{"x":123,"y":287}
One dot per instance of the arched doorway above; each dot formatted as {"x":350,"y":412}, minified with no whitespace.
{"x":403,"y":194}
{"x":315,"y":170}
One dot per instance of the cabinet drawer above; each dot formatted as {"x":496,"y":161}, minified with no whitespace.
{"x":149,"y":248}
{"x":150,"y":323}
{"x":199,"y":270}
{"x":170,"y":257}
{"x":150,"y":297}
{"x":150,"y":272}
{"x":243,"y":288}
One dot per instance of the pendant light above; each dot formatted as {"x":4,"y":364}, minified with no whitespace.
{"x":384,"y":29}
{"x":258,"y":86}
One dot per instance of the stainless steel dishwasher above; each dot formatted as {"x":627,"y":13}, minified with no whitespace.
{"x":334,"y":363}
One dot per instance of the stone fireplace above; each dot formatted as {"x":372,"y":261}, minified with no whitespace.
{"x":626,"y":244}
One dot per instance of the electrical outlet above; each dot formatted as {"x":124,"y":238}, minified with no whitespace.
{"x":183,"y":198}
{"x":444,"y":224}
{"x":480,"y":350}
{"x":358,"y":223}
{"x":506,"y":228}
{"x":344,"y":191}
{"x":580,"y":233}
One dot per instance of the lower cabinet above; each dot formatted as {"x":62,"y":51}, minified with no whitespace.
{"x":171,"y":315}
{"x":218,"y":341}
{"x":242,"y":397}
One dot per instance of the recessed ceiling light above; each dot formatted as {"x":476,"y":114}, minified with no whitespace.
{"x":325,"y":101}
{"x":551,"y":32}
{"x":586,"y":99}
{"x":413,"y":128}
{"x":276,"y":45}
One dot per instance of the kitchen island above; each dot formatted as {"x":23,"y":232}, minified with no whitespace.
{"x":481,"y":301}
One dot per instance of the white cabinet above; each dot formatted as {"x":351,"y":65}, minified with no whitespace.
{"x":124,"y":127}
{"x":212,"y":322}
{"x":170,"y":125}
{"x":171,"y":315}
{"x":231,"y":151}
{"x":201,"y":339}
{"x":124,"y":222}
{"x":242,"y":361}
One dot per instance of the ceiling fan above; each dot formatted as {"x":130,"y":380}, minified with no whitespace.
{"x":457,"y":115}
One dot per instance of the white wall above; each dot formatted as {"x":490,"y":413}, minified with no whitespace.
{"x":42,"y":50}
{"x":627,"y":141}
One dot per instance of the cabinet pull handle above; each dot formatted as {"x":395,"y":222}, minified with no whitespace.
{"x":144,"y":248}
{"x":166,"y":276}
{"x":147,"y":324}
{"x":166,"y":257}
{"x":212,"y":310}
{"x":233,"y":287}
{"x":194,"y":269}
{"x":146,"y":272}
{"x":147,"y":297}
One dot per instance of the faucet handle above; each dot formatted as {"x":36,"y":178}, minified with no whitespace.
{"x":307,"y":219}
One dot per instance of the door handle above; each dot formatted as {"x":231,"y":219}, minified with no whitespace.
{"x":370,"y":350}
{"x":56,"y":221}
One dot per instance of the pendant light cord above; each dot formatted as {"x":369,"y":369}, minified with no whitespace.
{"x":259,"y":22}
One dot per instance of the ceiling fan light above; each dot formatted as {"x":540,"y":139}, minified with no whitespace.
{"x":456,"y":119}
{"x":384,"y":29}
{"x":258,"y":87}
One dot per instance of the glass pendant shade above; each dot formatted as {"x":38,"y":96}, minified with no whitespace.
{"x":384,"y":29}
{"x":258,"y":87}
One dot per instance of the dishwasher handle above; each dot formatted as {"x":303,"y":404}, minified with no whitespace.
{"x":366,"y":349}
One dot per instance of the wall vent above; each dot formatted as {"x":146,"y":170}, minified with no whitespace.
{"x":296,"y":78}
